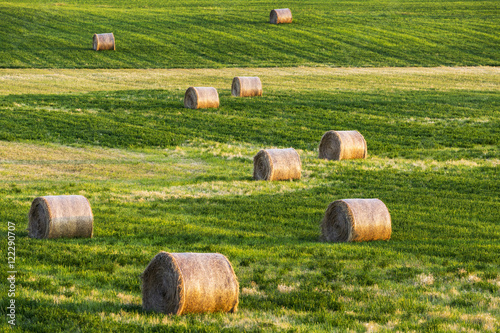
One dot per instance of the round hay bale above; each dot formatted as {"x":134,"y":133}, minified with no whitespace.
{"x":283,"y":15}
{"x":277,"y":164}
{"x":245,"y":86}
{"x":201,"y":98}
{"x":66,"y":216}
{"x":342,"y":145}
{"x":178,"y":283}
{"x":356,"y":220}
{"x":104,"y":42}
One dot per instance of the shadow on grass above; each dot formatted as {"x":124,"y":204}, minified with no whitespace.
{"x":93,"y":316}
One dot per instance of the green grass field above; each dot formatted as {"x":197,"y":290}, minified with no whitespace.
{"x":111,"y":126}
{"x":229,"y":33}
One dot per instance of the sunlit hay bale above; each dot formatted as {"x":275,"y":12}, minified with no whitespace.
{"x":244,"y":86}
{"x":277,"y":164}
{"x":283,"y":15}
{"x":356,"y":220}
{"x":342,"y":145}
{"x":66,"y":216}
{"x":178,"y":283}
{"x":104,"y":42}
{"x":201,"y":98}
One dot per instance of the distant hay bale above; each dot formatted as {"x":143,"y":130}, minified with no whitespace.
{"x":104,"y":42}
{"x":66,"y":216}
{"x":245,"y":86}
{"x":283,"y":15}
{"x":356,"y":220}
{"x":342,"y":145}
{"x":277,"y":164}
{"x":201,"y":98}
{"x":178,"y":283}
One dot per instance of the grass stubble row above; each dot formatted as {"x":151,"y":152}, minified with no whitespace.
{"x":178,"y":283}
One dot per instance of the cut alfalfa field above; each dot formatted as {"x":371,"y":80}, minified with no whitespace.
{"x":235,"y":33}
{"x":160,"y":177}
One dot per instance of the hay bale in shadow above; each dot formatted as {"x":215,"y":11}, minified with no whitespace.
{"x":178,"y":283}
{"x":277,"y":164}
{"x":104,"y":42}
{"x":201,"y":98}
{"x":278,"y":16}
{"x":342,"y":145}
{"x":356,"y":220}
{"x":245,"y":86}
{"x":66,"y":216}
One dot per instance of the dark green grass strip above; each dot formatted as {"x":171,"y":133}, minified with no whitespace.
{"x":407,"y":124}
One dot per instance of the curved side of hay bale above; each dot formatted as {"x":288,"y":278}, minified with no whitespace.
{"x":60,"y":216}
{"x":104,"y":42}
{"x":283,"y":15}
{"x":356,"y":220}
{"x":277,"y":164}
{"x":246,"y":86}
{"x":342,"y":145}
{"x":201,"y":98}
{"x":178,"y":283}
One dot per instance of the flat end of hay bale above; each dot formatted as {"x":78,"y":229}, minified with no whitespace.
{"x":162,"y":285}
{"x":262,"y":166}
{"x":236,"y":87}
{"x":38,"y":219}
{"x":337,"y":223}
{"x":191,"y":98}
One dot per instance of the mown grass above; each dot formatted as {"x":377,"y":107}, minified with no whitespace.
{"x":213,"y":34}
{"x":161,"y":177}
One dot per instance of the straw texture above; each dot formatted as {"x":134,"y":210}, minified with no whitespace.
{"x":277,"y":164}
{"x":201,"y":98}
{"x":178,"y":283}
{"x":245,"y":86}
{"x":342,"y":145}
{"x":104,"y":42}
{"x":356,"y":220}
{"x":60,"y":216}
{"x":283,"y":15}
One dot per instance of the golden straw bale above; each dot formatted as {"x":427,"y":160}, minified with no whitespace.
{"x":60,"y":216}
{"x":283,"y":15}
{"x":178,"y":283}
{"x":201,"y":98}
{"x":245,"y":86}
{"x":104,"y":42}
{"x":277,"y":164}
{"x":356,"y":220}
{"x":342,"y":145}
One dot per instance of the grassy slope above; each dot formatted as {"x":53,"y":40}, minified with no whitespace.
{"x":433,"y":159}
{"x":199,"y":34}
